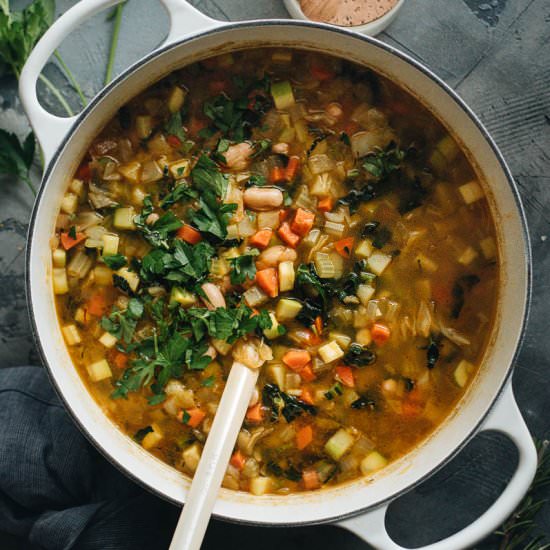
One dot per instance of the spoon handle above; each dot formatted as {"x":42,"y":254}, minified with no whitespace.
{"x":215,"y":457}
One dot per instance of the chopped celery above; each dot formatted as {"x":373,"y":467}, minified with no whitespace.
{"x":110,"y":244}
{"x":372,"y":462}
{"x":59,"y":257}
{"x":286,"y":276}
{"x":282,"y":95}
{"x":176,"y":99}
{"x":287,"y":309}
{"x":71,"y":334}
{"x":339,"y":444}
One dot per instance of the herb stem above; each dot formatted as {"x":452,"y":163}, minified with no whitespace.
{"x":57,"y":94}
{"x":114,"y":43}
{"x":72,"y":79}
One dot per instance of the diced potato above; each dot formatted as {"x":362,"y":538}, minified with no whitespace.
{"x":364,"y":249}
{"x":100,"y":370}
{"x":110,"y":244}
{"x":131,"y":277}
{"x":255,"y":296}
{"x":60,"y":283}
{"x":131,"y":171}
{"x":331,"y":352}
{"x":365,"y":293}
{"x":151,"y":172}
{"x":71,"y":334}
{"x":124,"y":218}
{"x":260,"y":485}
{"x":152,"y":439}
{"x":77,"y":186}
{"x":80,"y":265}
{"x":144,"y":126}
{"x":69,"y":203}
{"x":471,"y":192}
{"x":80,"y":316}
{"x":425,"y":264}
{"x":176,"y":99}
{"x":286,"y":276}
{"x":180,"y":168}
{"x":462,"y":372}
{"x":269,"y":219}
{"x":191,"y":457}
{"x":343,"y":340}
{"x":339,"y":444}
{"x":372,"y":462}
{"x":468,"y":256}
{"x":182,"y":296}
{"x":489,"y":248}
{"x":108,"y":340}
{"x":221,"y":346}
{"x":272,"y":332}
{"x":276,"y":373}
{"x":59,"y":257}
{"x":287,"y":309}
{"x":378,"y":262}
{"x":103,"y":275}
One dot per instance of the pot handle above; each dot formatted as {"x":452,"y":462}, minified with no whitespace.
{"x":505,"y":417}
{"x":49,"y":129}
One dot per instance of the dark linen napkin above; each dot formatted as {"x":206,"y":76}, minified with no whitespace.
{"x":56,"y":491}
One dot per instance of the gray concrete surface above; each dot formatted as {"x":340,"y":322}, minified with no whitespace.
{"x":496,"y":54}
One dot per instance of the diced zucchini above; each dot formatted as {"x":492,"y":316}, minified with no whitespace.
{"x":488,"y":247}
{"x":191,"y":457}
{"x":282,"y":95}
{"x":287,"y":309}
{"x":372,"y":462}
{"x":110,"y":244}
{"x":60,"y":283}
{"x":286,"y":276}
{"x":144,"y":126}
{"x":180,"y":168}
{"x":462,"y":372}
{"x":59,"y":257}
{"x":221,"y":346}
{"x":176,"y":99}
{"x":378,"y":262}
{"x":331,"y":352}
{"x":343,"y":340}
{"x":182,"y":296}
{"x":339,"y":444}
{"x":152,"y":439}
{"x":365,"y":293}
{"x":364,"y":249}
{"x":77,"y":186}
{"x":71,"y":334}
{"x":471,"y":192}
{"x":103,"y":275}
{"x":276,"y":373}
{"x":273,"y":331}
{"x":131,"y":171}
{"x":131,"y":277}
{"x":100,"y":370}
{"x":69,"y":203}
{"x":468,"y":256}
{"x":260,"y":485}
{"x":108,"y":340}
{"x":124,"y":218}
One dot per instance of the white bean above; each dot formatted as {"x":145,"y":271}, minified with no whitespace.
{"x":237,"y":156}
{"x":274,"y":255}
{"x":280,"y":148}
{"x":214,"y":297}
{"x":263,"y":198}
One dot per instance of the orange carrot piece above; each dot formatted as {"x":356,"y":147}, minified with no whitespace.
{"x":68,"y":242}
{"x":307,"y":374}
{"x":318,"y":324}
{"x":325,"y":204}
{"x":304,"y":436}
{"x":380,"y":333}
{"x":84,"y":171}
{"x":320,"y":72}
{"x":311,"y":480}
{"x":306,"y":396}
{"x":189,"y":234}
{"x":196,"y":416}
{"x":237,"y":460}
{"x":344,"y":247}
{"x":261,"y":238}
{"x":292,"y":168}
{"x":268,"y":281}
{"x":277,"y":175}
{"x":302,"y":222}
{"x":255,"y":414}
{"x":287,"y":235}
{"x":283,"y":214}
{"x":412,"y":404}
{"x":296,"y":359}
{"x":173,"y":141}
{"x":120,"y":360}
{"x":345,"y":375}
{"x":97,"y":304}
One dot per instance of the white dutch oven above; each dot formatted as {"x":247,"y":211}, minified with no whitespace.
{"x":488,"y":404}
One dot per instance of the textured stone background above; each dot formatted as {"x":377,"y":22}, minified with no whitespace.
{"x":496,"y":54}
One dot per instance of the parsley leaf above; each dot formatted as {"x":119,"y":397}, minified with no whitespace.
{"x":115,"y":261}
{"x":206,"y":175}
{"x":382,"y":163}
{"x":174,"y":127}
{"x":122,"y":324}
{"x":212,"y":216}
{"x":16,"y":158}
{"x":181,"y":192}
{"x":157,"y":233}
{"x":243,"y":267}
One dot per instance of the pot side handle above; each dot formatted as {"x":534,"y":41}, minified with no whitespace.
{"x":506,"y":418}
{"x":49,"y":129}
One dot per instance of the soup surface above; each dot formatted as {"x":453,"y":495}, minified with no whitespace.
{"x":300,"y":215}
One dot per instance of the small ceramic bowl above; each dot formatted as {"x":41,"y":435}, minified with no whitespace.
{"x":371,"y":29}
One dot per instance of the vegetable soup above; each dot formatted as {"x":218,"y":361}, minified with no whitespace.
{"x":298,"y":214}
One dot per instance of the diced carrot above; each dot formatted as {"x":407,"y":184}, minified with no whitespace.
{"x":318,"y":324}
{"x":277,"y":175}
{"x":284,"y":213}
{"x":84,"y":171}
{"x":255,"y":413}
{"x":302,"y":222}
{"x":304,"y":436}
{"x":345,"y":375}
{"x":325,"y":204}
{"x":237,"y":460}
{"x":173,"y":141}
{"x":68,"y":242}
{"x":97,"y":304}
{"x":306,"y":396}
{"x":311,"y":480}
{"x":268,"y":281}
{"x":189,"y":234}
{"x":292,"y":168}
{"x":120,"y":360}
{"x":296,"y":359}
{"x":287,"y":235}
{"x":307,"y":374}
{"x":261,"y":238}
{"x":413,"y":403}
{"x":320,"y":72}
{"x":344,"y":247}
{"x":192,"y":417}
{"x":380,"y":333}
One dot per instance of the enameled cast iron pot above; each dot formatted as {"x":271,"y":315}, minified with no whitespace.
{"x":488,"y":404}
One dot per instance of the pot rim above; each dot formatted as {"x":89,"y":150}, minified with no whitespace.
{"x":447,"y":89}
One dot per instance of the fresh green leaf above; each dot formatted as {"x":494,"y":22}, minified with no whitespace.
{"x":122,"y":324}
{"x":243,"y":267}
{"x":16,"y":158}
{"x":115,"y":261}
{"x":174,"y":127}
{"x":206,"y":176}
{"x":212,"y":216}
{"x":181,"y":193}
{"x":382,"y":163}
